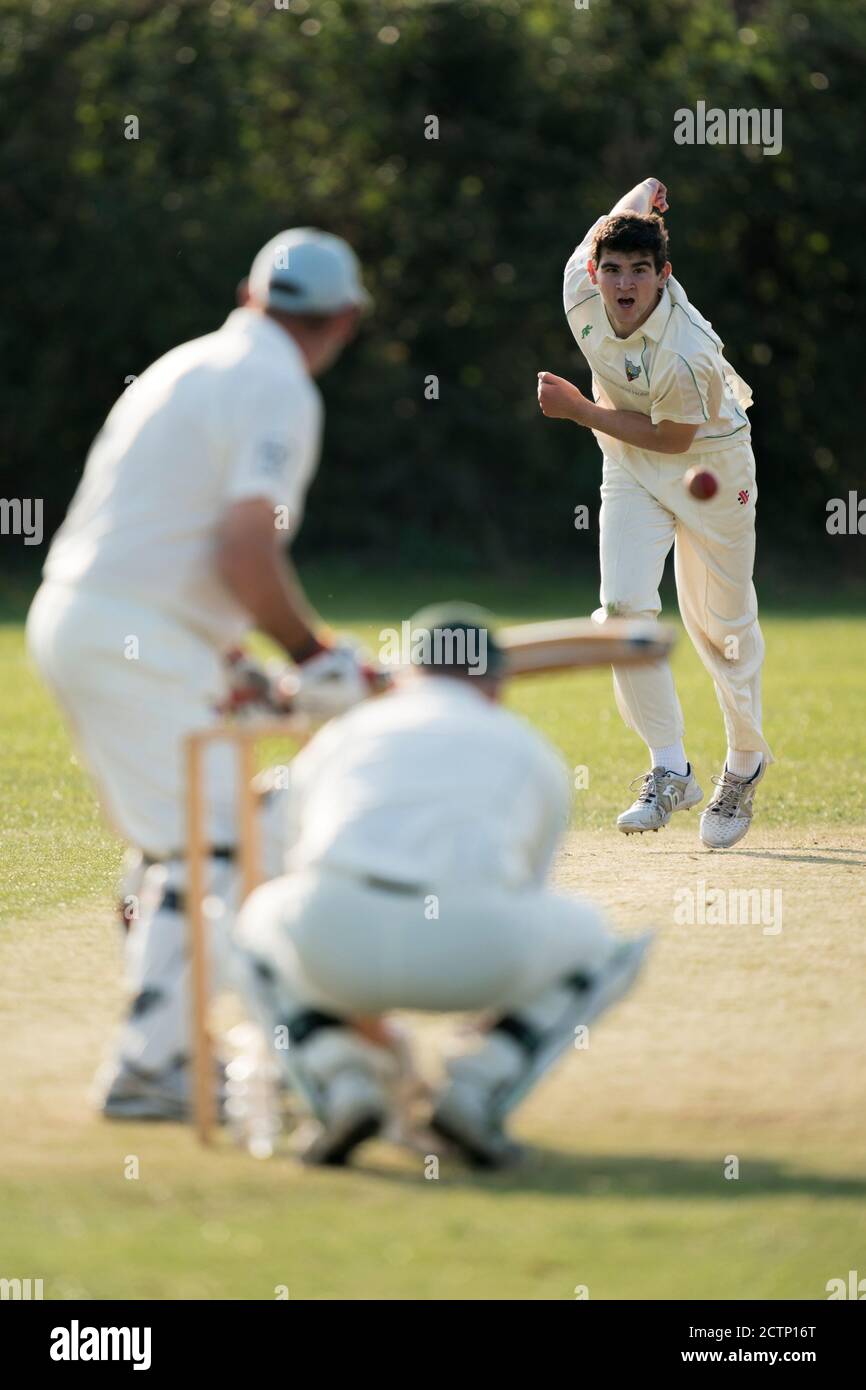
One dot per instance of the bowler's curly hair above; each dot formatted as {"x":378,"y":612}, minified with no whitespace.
{"x":630,"y":231}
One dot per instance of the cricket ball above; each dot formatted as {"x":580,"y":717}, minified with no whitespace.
{"x":701,"y":483}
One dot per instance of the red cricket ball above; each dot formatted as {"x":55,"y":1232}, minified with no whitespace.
{"x":701,"y":483}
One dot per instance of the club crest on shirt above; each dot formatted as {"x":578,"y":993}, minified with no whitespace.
{"x":586,"y":330}
{"x":632,"y":369}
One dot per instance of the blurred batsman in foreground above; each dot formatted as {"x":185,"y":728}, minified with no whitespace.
{"x":422,"y":828}
{"x":174,"y":547}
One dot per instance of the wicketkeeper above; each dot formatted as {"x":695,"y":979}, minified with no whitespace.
{"x":173,"y":548}
{"x":422,"y":828}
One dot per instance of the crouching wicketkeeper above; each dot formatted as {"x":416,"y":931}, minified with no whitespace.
{"x":423,"y":826}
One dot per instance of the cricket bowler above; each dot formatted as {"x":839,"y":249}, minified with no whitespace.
{"x":665,"y":398}
{"x":173,"y":549}
{"x":422,"y":826}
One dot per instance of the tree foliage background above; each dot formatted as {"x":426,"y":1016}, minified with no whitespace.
{"x":253,"y":118}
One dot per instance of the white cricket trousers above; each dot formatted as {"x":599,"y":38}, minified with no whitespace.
{"x":331,"y":945}
{"x":644,"y":511}
{"x":133,"y":682}
{"x":339,"y":944}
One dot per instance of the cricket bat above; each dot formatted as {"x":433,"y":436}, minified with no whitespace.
{"x":570,"y":644}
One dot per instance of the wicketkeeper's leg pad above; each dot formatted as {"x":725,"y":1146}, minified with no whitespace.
{"x":523,"y":1044}
{"x":312,"y":1045}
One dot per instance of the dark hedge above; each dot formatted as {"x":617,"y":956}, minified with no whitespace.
{"x":252,"y":118}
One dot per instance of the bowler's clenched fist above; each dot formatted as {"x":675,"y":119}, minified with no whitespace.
{"x":660,"y":195}
{"x":558,"y":398}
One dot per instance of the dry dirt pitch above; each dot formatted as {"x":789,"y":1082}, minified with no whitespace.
{"x":740,"y":1043}
{"x":739,"y":1029}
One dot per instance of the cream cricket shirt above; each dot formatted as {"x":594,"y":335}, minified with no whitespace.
{"x":671,"y":368}
{"x":228,"y":416}
{"x":430,"y":785}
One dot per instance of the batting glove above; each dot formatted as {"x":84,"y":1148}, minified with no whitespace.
{"x":331,"y":682}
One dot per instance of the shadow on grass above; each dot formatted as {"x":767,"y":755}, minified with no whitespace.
{"x":636,"y":1176}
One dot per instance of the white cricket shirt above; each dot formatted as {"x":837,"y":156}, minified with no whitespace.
{"x":231,"y":415}
{"x":671,"y":368}
{"x":429,"y":785}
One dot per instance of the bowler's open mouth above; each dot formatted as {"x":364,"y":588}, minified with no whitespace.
{"x":625,"y":301}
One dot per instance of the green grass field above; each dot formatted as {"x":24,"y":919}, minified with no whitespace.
{"x":737,"y":1043}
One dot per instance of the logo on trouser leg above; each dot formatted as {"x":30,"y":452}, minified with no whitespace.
{"x":742,"y":498}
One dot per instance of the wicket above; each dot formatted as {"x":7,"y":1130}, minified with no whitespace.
{"x":244,"y":737}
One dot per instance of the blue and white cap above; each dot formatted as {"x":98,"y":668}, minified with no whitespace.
{"x":305,"y":271}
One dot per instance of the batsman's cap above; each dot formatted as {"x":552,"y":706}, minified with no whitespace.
{"x":458,"y":637}
{"x":305,"y":271}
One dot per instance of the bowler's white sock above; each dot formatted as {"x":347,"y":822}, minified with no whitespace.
{"x":673,"y":758}
{"x":742,"y":764}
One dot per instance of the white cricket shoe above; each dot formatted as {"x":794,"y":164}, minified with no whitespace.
{"x":354,"y":1107}
{"x":729,"y":815}
{"x":124,"y":1092}
{"x":661,"y":793}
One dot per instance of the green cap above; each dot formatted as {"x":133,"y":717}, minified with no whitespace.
{"x":457,"y":637}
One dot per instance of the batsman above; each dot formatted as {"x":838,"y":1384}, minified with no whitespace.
{"x":173,"y":549}
{"x":666,"y":398}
